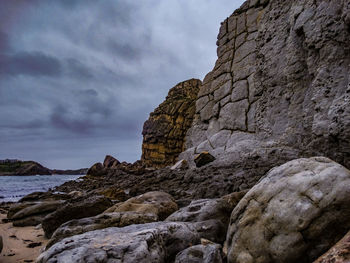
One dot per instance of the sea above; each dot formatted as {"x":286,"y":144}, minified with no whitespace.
{"x":13,"y":188}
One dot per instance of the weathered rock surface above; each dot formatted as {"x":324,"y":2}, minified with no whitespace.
{"x":110,"y":162}
{"x":85,"y":206}
{"x":210,"y":253}
{"x":339,"y":253}
{"x":153,"y":242}
{"x":157,"y":203}
{"x":96,"y":170}
{"x":191,"y":184}
{"x":180,"y":165}
{"x":281,"y":81}
{"x":206,"y":209}
{"x":294,"y":214}
{"x":39,"y":208}
{"x":165,"y":130}
{"x":105,"y":220}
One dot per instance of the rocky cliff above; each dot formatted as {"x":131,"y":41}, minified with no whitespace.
{"x":18,"y":167}
{"x":165,"y":130}
{"x":280,"y":83}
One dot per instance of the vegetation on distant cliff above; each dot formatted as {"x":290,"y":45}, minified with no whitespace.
{"x":18,"y":167}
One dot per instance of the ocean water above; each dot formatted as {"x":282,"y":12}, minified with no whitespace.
{"x":13,"y":188}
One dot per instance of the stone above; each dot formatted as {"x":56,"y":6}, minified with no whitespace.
{"x":210,"y":253}
{"x":295,"y":57}
{"x":158,"y":203}
{"x":152,"y":242}
{"x":39,"y":208}
{"x":110,"y":162}
{"x":96,"y":170}
{"x":165,"y":130}
{"x":1,"y":244}
{"x":180,"y":165}
{"x":114,"y":193}
{"x":220,"y":139}
{"x":105,"y":220}
{"x":239,"y":109}
{"x":203,"y":158}
{"x":85,"y":206}
{"x":32,"y":220}
{"x":206,"y":210}
{"x":43,"y":196}
{"x":240,"y":90}
{"x":339,"y":253}
{"x":294,"y":214}
{"x":223,"y":91}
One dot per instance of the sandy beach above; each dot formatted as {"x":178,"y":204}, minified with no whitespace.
{"x":21,"y":244}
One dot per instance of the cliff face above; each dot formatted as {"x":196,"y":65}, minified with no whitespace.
{"x":165,"y":130}
{"x":280,"y":83}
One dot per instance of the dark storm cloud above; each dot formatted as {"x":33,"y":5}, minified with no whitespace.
{"x":79,"y":77}
{"x":77,"y":69}
{"x":34,"y":64}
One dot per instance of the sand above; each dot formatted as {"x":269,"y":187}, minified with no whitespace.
{"x":16,"y":240}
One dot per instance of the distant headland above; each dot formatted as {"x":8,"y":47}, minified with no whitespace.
{"x":19,"y":167}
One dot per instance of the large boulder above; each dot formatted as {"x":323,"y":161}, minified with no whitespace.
{"x":153,"y":242}
{"x":31,"y":214}
{"x":164,"y":132}
{"x":339,"y":253}
{"x":294,"y":214}
{"x":35,"y":209}
{"x":117,"y":219}
{"x":210,"y":253}
{"x":158,"y":203}
{"x":210,"y":214}
{"x":74,"y":209}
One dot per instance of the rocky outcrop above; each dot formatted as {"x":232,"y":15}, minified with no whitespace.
{"x":339,"y":253}
{"x":165,"y":130}
{"x":85,"y":206}
{"x":105,"y":220}
{"x":210,"y":253}
{"x":153,"y":242}
{"x":157,"y":203}
{"x":110,"y":162}
{"x":294,"y":214}
{"x":32,"y":214}
{"x":280,"y":83}
{"x":18,"y":167}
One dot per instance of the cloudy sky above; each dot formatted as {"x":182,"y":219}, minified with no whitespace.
{"x":79,"y":77}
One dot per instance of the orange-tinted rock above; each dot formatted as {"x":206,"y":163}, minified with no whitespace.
{"x":164,"y":132}
{"x":339,"y":253}
{"x":110,"y":161}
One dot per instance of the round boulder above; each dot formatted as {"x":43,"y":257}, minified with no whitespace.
{"x":297,"y":212}
{"x":156,"y":202}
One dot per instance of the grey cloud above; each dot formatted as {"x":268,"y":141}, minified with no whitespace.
{"x":78,"y":70}
{"x":34,"y":64}
{"x":103,"y":66}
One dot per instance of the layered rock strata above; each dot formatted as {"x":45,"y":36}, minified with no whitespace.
{"x":281,"y":80}
{"x":165,"y":130}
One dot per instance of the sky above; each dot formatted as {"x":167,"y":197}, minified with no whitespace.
{"x":78,"y":78}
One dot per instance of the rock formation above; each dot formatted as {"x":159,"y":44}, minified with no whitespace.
{"x":281,"y":81}
{"x":294,"y":214}
{"x":164,"y":131}
{"x":339,"y":253}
